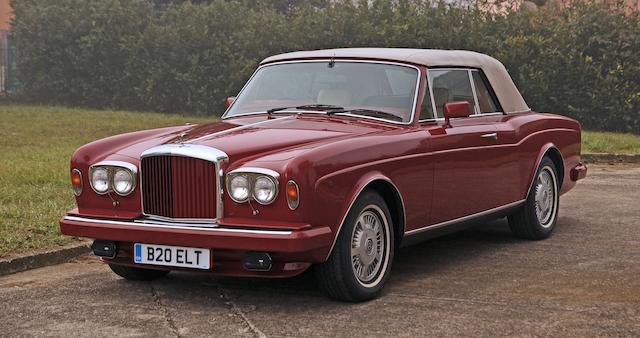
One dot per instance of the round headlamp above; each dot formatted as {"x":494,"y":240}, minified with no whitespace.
{"x":100,"y":180}
{"x":264,"y":190}
{"x":239,"y":188}
{"x":123,"y":181}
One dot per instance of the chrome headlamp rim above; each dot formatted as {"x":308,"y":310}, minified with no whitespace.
{"x":132,"y":182}
{"x":111,"y":167}
{"x":252,"y":174}
{"x":92,"y":170}
{"x":275,"y":189}
{"x":230,"y":188}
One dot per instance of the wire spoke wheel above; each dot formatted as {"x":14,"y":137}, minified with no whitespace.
{"x":368,"y":246}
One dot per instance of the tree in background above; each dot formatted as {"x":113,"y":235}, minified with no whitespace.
{"x":187,"y":56}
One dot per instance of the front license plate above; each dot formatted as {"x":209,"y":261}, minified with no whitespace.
{"x":166,"y":255}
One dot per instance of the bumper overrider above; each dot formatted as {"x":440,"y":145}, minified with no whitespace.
{"x":292,"y":250}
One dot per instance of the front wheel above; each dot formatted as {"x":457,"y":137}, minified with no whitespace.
{"x":361,"y":259}
{"x":537,"y":218}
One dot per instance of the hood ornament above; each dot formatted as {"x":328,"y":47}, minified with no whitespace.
{"x":182,"y":136}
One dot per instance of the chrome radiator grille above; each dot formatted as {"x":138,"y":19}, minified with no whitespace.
{"x":178,"y":187}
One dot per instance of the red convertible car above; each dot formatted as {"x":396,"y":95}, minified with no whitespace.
{"x":330,"y":159}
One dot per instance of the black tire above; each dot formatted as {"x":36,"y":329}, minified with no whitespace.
{"x":337,"y":276}
{"x":131,"y":273}
{"x":529,"y":222}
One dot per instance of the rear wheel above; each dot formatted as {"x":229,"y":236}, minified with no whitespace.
{"x":537,"y":218}
{"x":361,"y":260}
{"x":132,"y":273}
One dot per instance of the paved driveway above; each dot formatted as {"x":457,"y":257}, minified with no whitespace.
{"x":583,"y":281}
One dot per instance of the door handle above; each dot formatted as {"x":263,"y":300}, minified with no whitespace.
{"x":492,"y":135}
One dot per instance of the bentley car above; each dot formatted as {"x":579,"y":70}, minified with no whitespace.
{"x":327,"y":160}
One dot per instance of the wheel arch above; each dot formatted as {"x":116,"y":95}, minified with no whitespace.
{"x":551,"y":151}
{"x":389,"y":192}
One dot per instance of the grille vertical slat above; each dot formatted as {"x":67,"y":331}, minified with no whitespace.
{"x":178,"y":187}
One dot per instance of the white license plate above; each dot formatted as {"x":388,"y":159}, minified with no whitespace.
{"x":166,"y":255}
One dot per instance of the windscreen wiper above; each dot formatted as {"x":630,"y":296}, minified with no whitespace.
{"x":307,"y":107}
{"x":367,"y":112}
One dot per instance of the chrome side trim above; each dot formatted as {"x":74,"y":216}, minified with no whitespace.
{"x":415,"y":98}
{"x":462,"y":219}
{"x":440,"y":119}
{"x":195,"y":151}
{"x":177,"y":225}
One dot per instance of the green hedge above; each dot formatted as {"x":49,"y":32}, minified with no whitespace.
{"x":184,"y":57}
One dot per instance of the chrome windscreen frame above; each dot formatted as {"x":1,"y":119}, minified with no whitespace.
{"x":216,"y":156}
{"x":347,"y":60}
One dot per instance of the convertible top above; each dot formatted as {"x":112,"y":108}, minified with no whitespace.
{"x":506,"y":91}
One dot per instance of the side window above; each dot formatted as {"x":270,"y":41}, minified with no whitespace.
{"x":486,"y":99}
{"x":426,"y":109}
{"x":450,"y":85}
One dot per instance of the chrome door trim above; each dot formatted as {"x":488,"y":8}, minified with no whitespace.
{"x":462,"y":219}
{"x":490,"y":135}
{"x":178,"y":225}
{"x":476,"y":107}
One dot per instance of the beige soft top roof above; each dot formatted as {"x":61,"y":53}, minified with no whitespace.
{"x":496,"y":73}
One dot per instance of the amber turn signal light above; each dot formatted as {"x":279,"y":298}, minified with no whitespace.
{"x":293,"y":195}
{"x":76,"y":182}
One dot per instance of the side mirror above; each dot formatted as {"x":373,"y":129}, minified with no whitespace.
{"x":454,"y":110}
{"x":229,"y":101}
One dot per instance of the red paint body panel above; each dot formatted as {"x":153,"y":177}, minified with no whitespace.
{"x":440,"y":173}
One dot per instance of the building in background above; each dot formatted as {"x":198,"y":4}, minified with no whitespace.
{"x":6,"y":14}
{"x":505,"y":6}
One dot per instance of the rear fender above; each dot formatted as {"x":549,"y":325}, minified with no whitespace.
{"x":551,"y":149}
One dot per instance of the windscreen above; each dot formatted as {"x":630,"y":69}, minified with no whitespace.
{"x":382,"y":87}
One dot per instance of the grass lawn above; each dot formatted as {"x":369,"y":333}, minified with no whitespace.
{"x":36,"y":144}
{"x":603,"y":142}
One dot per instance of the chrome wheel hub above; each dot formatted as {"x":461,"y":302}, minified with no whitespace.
{"x":545,"y":197}
{"x":368,"y":246}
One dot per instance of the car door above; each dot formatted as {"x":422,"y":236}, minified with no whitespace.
{"x":469,"y":168}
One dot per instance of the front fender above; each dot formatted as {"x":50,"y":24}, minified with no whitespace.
{"x":337,"y":192}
